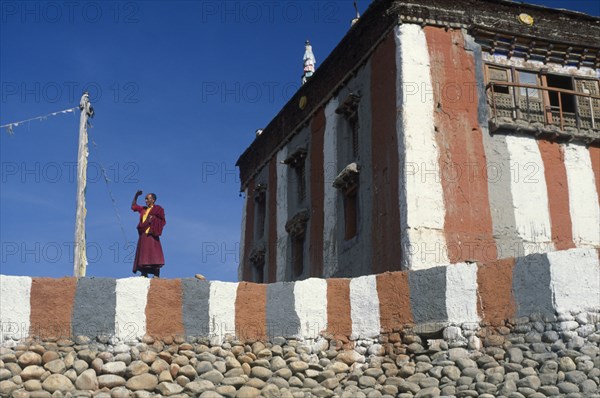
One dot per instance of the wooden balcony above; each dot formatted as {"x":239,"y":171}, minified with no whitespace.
{"x":552,"y":112}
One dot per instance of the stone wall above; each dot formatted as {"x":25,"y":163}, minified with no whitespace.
{"x":536,"y":356}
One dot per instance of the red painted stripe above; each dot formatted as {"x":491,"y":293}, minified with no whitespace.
{"x":496,"y":300}
{"x":52,"y":302}
{"x":249,"y":232}
{"x":339,"y":318}
{"x":272,"y":215}
{"x":385,"y":227}
{"x":251,"y":311}
{"x":558,"y":194}
{"x":164,"y":308}
{"x":468,"y":221}
{"x":317,"y":217}
{"x":394,"y":301}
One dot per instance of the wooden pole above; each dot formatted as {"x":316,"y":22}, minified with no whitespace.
{"x":80,"y":257}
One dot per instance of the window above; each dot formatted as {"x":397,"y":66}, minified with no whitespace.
{"x":297,"y":161}
{"x":296,"y":228}
{"x":260,"y":194}
{"x":301,"y":181}
{"x":353,"y":124}
{"x":558,"y":99}
{"x":529,"y":100}
{"x":297,"y":256}
{"x":588,"y":107}
{"x":347,"y":183}
{"x":499,"y":75}
{"x":350,"y":215}
{"x":500,"y":93}
{"x":350,"y":127}
{"x":529,"y":78}
{"x":257,"y":259}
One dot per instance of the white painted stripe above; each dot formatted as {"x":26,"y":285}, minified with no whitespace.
{"x":242,"y":238}
{"x":221,"y":309}
{"x":583,"y":196}
{"x":15,"y":306}
{"x":330,"y":197}
{"x":282,"y":214}
{"x":130,"y":311}
{"x":461,"y":293}
{"x":364,"y":307}
{"x":421,"y":194}
{"x":575,"y":279}
{"x":311,"y":306}
{"x":530,"y":195}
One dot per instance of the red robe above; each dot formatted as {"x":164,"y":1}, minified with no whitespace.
{"x":148,"y":254}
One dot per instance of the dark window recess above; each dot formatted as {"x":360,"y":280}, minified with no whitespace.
{"x":296,"y":228}
{"x":347,"y":182}
{"x":354,"y":129}
{"x":350,"y":215}
{"x":260,"y":272}
{"x":257,"y":259}
{"x":566,"y":100}
{"x":349,"y":110}
{"x":301,"y":181}
{"x":298,"y":255}
{"x":297,"y":161}
{"x":260,"y":194}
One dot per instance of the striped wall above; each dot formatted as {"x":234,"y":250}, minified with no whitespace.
{"x":467,"y":195}
{"x":357,"y":308}
{"x":421,"y":195}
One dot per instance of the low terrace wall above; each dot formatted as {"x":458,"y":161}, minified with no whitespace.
{"x":348,"y":309}
{"x":526,"y":327}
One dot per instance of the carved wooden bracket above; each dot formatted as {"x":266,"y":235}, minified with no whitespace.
{"x":347,"y":180}
{"x":296,"y":158}
{"x":349,"y":107}
{"x":260,"y":192}
{"x":257,"y":256}
{"x":296,"y":226}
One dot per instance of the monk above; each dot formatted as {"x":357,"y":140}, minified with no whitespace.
{"x":149,"y":256}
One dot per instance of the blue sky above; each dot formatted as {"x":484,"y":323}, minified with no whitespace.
{"x":179,"y":88}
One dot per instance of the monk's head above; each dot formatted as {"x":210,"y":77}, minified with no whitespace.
{"x":150,"y":199}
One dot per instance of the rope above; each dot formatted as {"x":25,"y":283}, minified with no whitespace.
{"x":9,"y":126}
{"x":110,"y":193}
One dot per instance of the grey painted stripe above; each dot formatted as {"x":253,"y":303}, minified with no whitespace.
{"x":95,"y":307}
{"x":428,"y":295}
{"x":531,"y":285}
{"x":282,"y":319}
{"x":196,"y":298}
{"x":508,"y":242}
